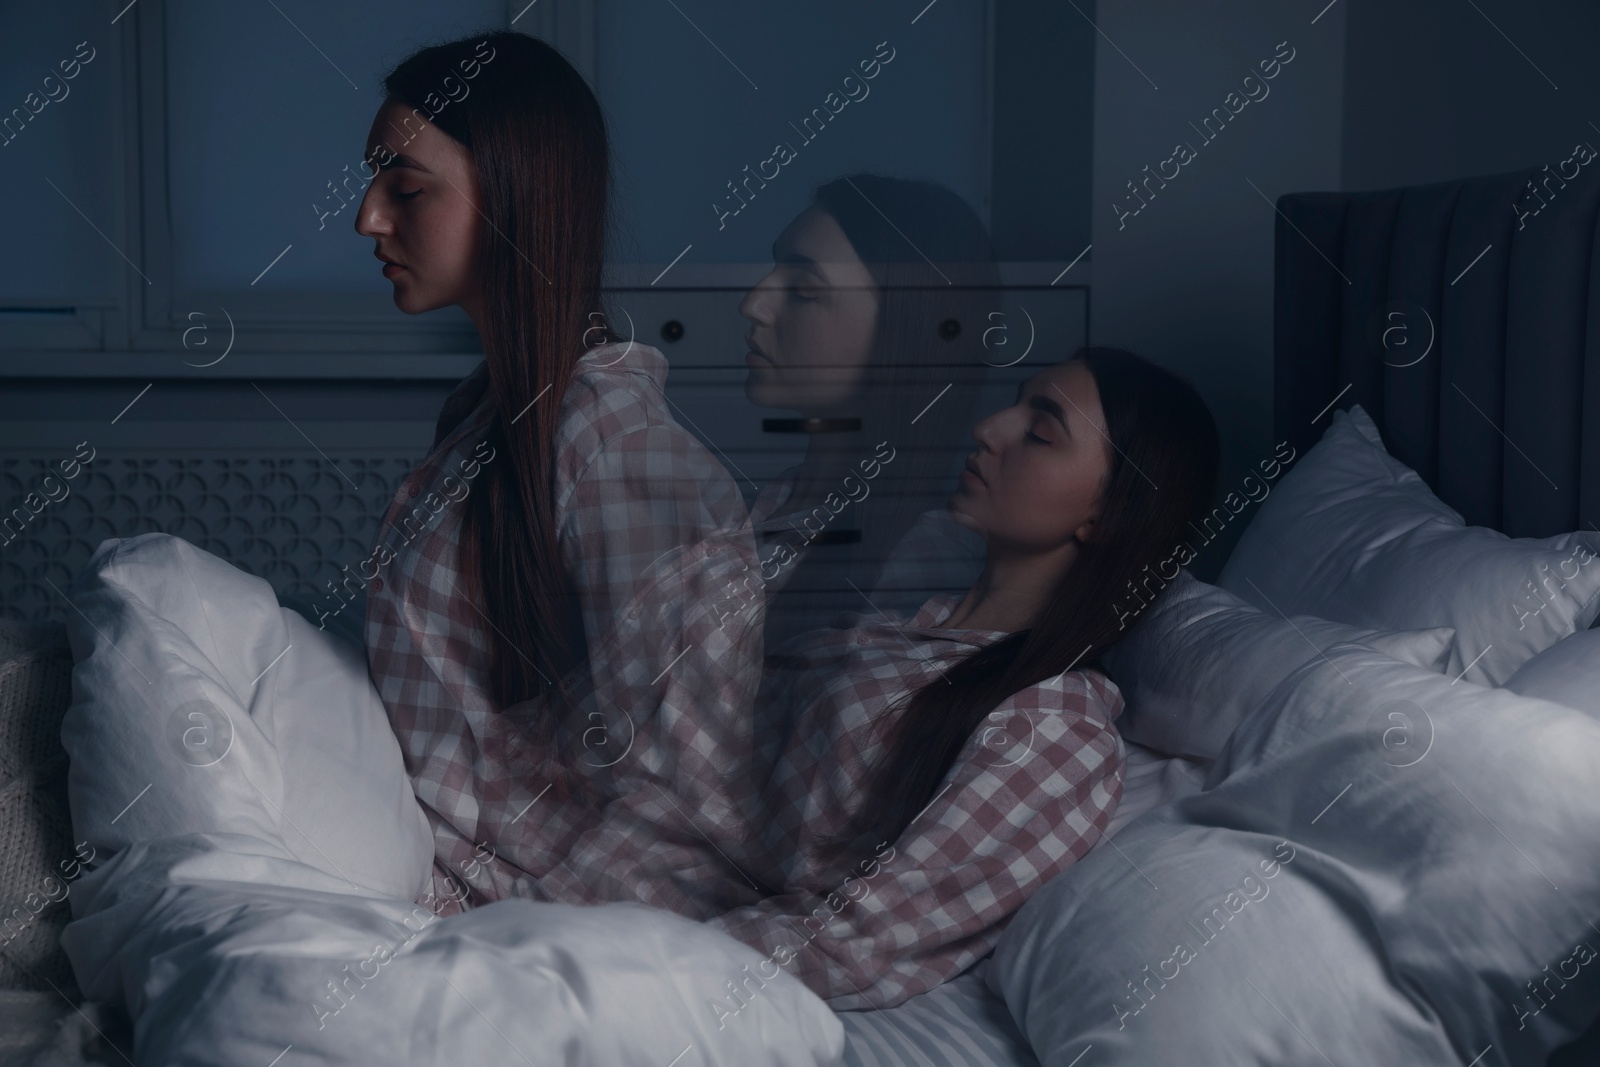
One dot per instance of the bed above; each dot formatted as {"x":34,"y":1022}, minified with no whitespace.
{"x":1467,"y":331}
{"x":1503,"y":421}
{"x":1425,"y":330}
{"x":43,"y":1014}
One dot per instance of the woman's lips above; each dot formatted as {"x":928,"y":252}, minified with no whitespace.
{"x":391,"y":269}
{"x":752,"y":357}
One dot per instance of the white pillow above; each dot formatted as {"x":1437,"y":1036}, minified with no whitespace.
{"x":202,"y":706}
{"x":1199,"y":660}
{"x":1353,"y":535}
{"x":1567,"y":672}
{"x":1385,"y":869}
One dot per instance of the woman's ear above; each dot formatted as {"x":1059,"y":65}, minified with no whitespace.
{"x":1088,"y":531}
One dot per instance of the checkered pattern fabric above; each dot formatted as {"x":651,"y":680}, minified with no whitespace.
{"x":656,"y":537}
{"x":715,"y":779}
{"x":1032,"y":791}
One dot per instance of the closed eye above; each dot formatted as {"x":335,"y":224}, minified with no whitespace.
{"x":408,"y":196}
{"x":1036,"y":437}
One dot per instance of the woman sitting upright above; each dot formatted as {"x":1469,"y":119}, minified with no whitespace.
{"x":544,"y":627}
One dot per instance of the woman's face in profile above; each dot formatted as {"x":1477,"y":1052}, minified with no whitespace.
{"x":422,"y":210}
{"x":813,"y":321}
{"x":1034,"y":482}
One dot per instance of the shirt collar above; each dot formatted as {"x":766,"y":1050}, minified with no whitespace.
{"x":624,"y":356}
{"x":939,"y":607}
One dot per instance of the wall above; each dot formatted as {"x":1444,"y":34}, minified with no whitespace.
{"x":692,"y":104}
{"x":1442,"y":89}
{"x":1043,"y":131}
{"x":1188,"y":279}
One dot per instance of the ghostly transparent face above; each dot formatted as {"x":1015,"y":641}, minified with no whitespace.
{"x":1033,"y":485}
{"x":422,"y":210}
{"x":813,"y":320}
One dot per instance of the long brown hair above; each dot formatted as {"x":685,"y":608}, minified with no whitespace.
{"x":1163,"y":473}
{"x":538,"y":138}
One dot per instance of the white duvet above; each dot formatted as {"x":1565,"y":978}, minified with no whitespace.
{"x":265,"y":851}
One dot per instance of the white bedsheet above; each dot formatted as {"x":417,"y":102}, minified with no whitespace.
{"x":1151,"y":779}
{"x":241,"y":917}
{"x":225,"y":952}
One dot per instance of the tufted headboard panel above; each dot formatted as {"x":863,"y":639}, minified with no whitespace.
{"x":1465,"y":318}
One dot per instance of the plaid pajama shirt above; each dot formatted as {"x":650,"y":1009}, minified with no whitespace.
{"x":718,"y":778}
{"x":657,"y":540}
{"x":1032,"y":791}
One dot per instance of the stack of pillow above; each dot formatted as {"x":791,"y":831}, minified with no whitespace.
{"x":1402,"y":715}
{"x":1353,"y":546}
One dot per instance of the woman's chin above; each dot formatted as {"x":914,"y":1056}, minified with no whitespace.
{"x":406,"y":300}
{"x":960,"y":516}
{"x":760,"y":393}
{"x":413,"y":302}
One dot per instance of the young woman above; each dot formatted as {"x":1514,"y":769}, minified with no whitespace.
{"x":922,"y":777}
{"x":870,"y":325}
{"x":540,"y":612}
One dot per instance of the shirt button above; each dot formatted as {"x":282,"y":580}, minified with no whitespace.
{"x":377,"y":585}
{"x":411,"y":490}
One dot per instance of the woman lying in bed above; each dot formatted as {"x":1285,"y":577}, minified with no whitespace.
{"x":922,"y":777}
{"x":917,"y":778}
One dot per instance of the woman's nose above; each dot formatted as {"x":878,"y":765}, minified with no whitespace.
{"x":1003,"y":428}
{"x":987,"y":430}
{"x":369,"y":221}
{"x":756,"y":305}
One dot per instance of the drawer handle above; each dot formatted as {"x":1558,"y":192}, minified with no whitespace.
{"x":825,"y":537}
{"x":848,"y":424}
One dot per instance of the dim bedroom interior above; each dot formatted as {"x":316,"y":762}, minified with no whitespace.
{"x":1359,"y":819}
{"x":1330,"y":799}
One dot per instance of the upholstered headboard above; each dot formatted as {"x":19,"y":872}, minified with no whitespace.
{"x":1465,"y":318}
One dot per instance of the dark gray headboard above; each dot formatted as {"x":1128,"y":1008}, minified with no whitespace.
{"x":1502,"y":415}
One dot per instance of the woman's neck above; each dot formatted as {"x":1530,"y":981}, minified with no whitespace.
{"x":1012,"y":591}
{"x":829,"y":458}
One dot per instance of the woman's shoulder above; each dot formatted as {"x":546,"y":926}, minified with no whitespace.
{"x":616,"y":405}
{"x":1066,"y":720}
{"x":618,"y":376}
{"x":617,"y":391}
{"x":1086,"y":692}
